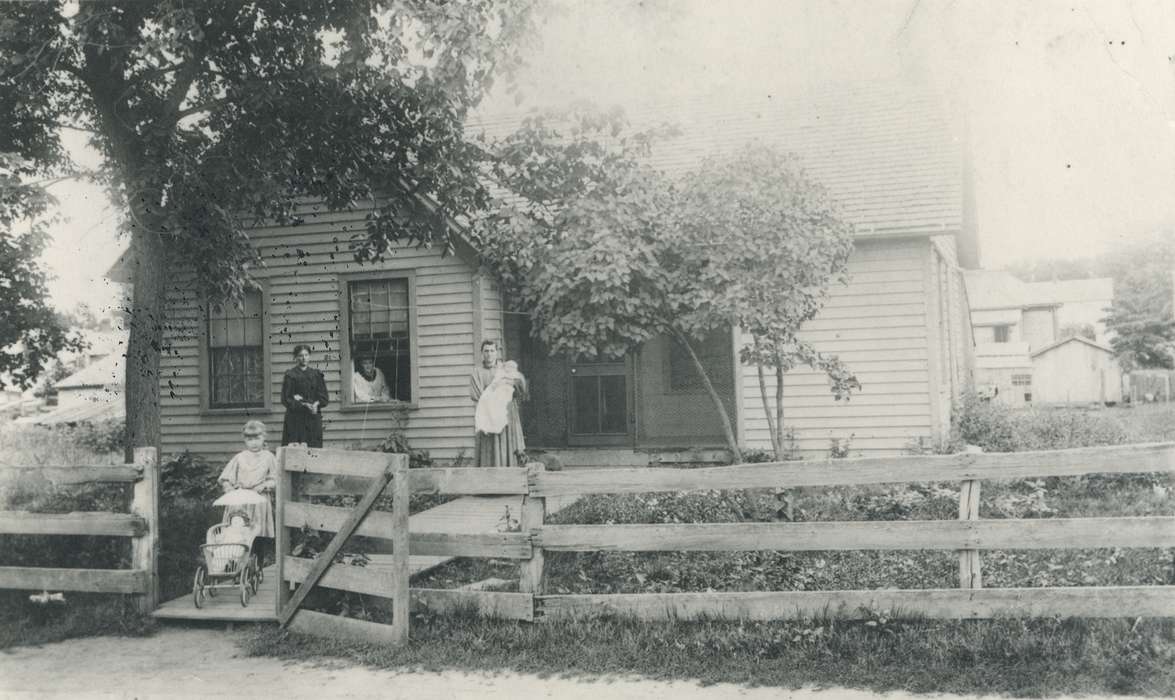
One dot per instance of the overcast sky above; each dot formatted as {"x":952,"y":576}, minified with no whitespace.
{"x":1070,"y":106}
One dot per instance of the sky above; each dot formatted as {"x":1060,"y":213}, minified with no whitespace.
{"x":1069,"y":106}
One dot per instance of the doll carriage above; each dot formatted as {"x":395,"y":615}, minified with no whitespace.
{"x":228,"y":558}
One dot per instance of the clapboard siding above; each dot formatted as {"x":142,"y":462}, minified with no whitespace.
{"x":876,"y":324}
{"x":301,"y":277}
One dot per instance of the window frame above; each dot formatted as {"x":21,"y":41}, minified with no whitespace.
{"x":205,"y":371}
{"x":346,"y":366}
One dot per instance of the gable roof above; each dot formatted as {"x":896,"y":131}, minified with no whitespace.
{"x":892,"y":157}
{"x":106,"y":372}
{"x":1071,"y":339}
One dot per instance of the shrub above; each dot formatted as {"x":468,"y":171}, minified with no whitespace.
{"x":100,"y":436}
{"x":988,"y":424}
{"x":1056,"y":429}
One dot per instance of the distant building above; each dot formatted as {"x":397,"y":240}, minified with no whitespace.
{"x":95,"y":391}
{"x":1017,"y":327}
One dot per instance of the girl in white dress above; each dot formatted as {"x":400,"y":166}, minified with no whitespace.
{"x":254,"y":468}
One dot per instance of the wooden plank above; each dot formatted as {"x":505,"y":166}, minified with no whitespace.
{"x":504,"y":545}
{"x":366,"y":465}
{"x":145,"y":504}
{"x":531,"y":522}
{"x":1118,"y":459}
{"x":506,"y":606}
{"x":356,"y":579}
{"x":950,"y":604}
{"x":326,"y":558}
{"x":14,"y":522}
{"x":343,"y":628}
{"x":75,"y":475}
{"x":969,"y":563}
{"x":1053,"y":533}
{"x":88,"y":580}
{"x":284,"y":493}
{"x":401,"y":492}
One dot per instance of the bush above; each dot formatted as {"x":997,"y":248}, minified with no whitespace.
{"x":100,"y":436}
{"x":1057,"y":429}
{"x":985,"y":423}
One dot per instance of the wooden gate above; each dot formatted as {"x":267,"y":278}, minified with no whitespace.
{"x":323,"y":570}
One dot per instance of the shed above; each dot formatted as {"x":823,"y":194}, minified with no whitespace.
{"x":1076,"y":370}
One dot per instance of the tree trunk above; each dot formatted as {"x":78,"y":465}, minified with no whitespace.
{"x":727,"y":429}
{"x":145,"y":342}
{"x":776,"y":445}
{"x":779,"y":410}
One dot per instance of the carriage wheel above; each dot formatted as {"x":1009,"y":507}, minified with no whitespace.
{"x":244,"y":589}
{"x":254,"y":574}
{"x":198,"y":587}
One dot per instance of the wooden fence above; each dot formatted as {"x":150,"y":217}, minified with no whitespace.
{"x":969,"y":535}
{"x":141,"y":524}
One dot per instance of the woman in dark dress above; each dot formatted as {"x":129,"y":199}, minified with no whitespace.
{"x":304,"y":396}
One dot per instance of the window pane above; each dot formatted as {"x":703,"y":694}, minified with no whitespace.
{"x":379,"y":327}
{"x":587,"y":405}
{"x":613,"y":404}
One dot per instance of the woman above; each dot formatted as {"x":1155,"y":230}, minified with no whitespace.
{"x":507,"y":448}
{"x":304,"y":396}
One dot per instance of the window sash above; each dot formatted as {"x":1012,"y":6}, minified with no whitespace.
{"x":379,"y":324}
{"x":236,"y":354}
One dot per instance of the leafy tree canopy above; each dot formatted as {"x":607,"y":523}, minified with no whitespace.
{"x":604,"y":252}
{"x":1141,"y":316}
{"x":31,"y":334}
{"x":212,"y":115}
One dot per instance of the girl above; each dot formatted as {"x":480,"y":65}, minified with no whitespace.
{"x":253,"y":468}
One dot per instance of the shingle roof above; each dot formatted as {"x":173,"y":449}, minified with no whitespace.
{"x":107,"y":371}
{"x":88,"y":412}
{"x":891,"y":156}
{"x":1072,"y":339}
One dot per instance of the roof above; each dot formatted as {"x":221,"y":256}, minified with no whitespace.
{"x":890,"y":156}
{"x":1072,"y":291}
{"x":1072,"y":339}
{"x":994,"y":289}
{"x":105,"y":372}
{"x":87,"y":412}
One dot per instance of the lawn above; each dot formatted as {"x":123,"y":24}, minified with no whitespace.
{"x":1040,"y":657}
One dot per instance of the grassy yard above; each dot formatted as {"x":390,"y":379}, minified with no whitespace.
{"x":1041,"y":657}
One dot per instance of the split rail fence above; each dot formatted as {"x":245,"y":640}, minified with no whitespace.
{"x":141,"y":524}
{"x":346,"y":472}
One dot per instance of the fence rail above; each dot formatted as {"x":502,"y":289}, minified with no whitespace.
{"x":327,"y":471}
{"x":141,"y":525}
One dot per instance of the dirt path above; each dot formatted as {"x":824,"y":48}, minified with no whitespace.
{"x":187,"y":663}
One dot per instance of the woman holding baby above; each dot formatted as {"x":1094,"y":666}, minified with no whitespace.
{"x":497,"y":387}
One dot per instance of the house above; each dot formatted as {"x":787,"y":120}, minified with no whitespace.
{"x":95,"y":391}
{"x":1018,"y":336}
{"x":1076,"y":370}
{"x":892,"y":159}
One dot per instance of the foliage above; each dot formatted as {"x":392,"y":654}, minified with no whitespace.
{"x":1141,"y":316}
{"x":839,"y":448}
{"x":188,"y":475}
{"x":604,"y":252}
{"x":988,"y":424}
{"x":212,"y":116}
{"x":1084,"y":330}
{"x":31,"y":334}
{"x":101,"y":436}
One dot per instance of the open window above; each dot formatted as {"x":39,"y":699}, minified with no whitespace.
{"x":379,"y":359}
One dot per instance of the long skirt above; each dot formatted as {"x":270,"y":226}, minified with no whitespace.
{"x":260,"y":516}
{"x":501,"y":449}
{"x":302,"y":427}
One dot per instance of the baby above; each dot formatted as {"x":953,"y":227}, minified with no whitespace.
{"x":493,"y":408}
{"x":237,"y":531}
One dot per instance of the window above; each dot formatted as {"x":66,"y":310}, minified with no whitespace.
{"x":1001,"y":333}
{"x":714,"y":350}
{"x":379,"y":313}
{"x":236,"y":354}
{"x":1021,"y":380}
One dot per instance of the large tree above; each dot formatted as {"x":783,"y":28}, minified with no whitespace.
{"x":212,"y":115}
{"x":604,"y":252}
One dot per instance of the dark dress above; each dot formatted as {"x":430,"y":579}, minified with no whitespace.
{"x":300,"y":425}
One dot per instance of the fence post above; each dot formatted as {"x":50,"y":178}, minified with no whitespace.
{"x":534,"y":511}
{"x":401,"y":492}
{"x":969,"y":566}
{"x":283,"y":493}
{"x":145,"y":548}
